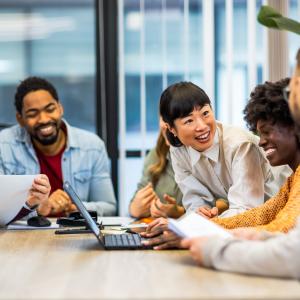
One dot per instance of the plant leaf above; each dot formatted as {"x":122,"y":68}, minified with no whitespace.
{"x":271,"y":18}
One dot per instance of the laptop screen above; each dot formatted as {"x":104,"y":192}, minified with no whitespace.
{"x":91,"y":223}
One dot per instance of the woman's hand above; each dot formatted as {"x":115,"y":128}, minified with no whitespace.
{"x":169,"y":209}
{"x":207,"y":212}
{"x":140,"y":205}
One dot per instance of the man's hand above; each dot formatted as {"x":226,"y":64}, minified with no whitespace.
{"x":39,"y":192}
{"x":196,"y":247}
{"x":165,"y":240}
{"x":159,"y":236}
{"x":140,"y":206}
{"x":207,"y":212}
{"x":168,"y":209}
{"x":58,"y":202}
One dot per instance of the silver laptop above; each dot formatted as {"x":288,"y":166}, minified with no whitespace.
{"x":107,"y":241}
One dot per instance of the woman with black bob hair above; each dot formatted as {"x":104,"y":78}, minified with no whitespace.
{"x":178,"y":101}
{"x":213,"y":161}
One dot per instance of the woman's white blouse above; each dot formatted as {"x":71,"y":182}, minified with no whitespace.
{"x":233,"y":168}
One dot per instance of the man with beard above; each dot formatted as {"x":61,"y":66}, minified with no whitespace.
{"x":45,"y":143}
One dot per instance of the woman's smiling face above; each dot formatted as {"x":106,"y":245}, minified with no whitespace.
{"x":197,"y":129}
{"x":278,"y":141}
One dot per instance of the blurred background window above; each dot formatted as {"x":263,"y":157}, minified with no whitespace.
{"x":54,"y":40}
{"x":217,"y":44}
{"x":146,"y":46}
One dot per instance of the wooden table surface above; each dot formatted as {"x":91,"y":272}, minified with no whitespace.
{"x":41,"y":265}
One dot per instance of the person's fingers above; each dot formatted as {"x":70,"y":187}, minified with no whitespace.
{"x":42,"y":180}
{"x":158,"y":210}
{"x":65,"y":196}
{"x":214,"y":211}
{"x":167,"y":245}
{"x":149,"y":199}
{"x":159,"y":205}
{"x":59,"y":203}
{"x":154,"y":241}
{"x":38,"y":195}
{"x":157,"y":225}
{"x":55,"y":207}
{"x":40,"y":188}
{"x":145,"y":191}
{"x":186,"y":243}
{"x":205,"y":211}
{"x":170,"y":240}
{"x":41,"y":184}
{"x":169,"y":199}
{"x":163,"y":238}
{"x":152,"y":225}
{"x":155,"y":213}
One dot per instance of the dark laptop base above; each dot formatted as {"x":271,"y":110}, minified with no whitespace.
{"x":123,"y":241}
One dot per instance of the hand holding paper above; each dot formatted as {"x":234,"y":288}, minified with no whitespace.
{"x":193,"y":225}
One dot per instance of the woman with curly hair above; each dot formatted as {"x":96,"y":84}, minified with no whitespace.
{"x":262,"y":254}
{"x":267,"y":114}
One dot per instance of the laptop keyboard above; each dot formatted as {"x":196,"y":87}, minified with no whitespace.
{"x":123,"y":241}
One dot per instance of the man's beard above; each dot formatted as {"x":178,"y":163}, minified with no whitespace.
{"x":46,"y":140}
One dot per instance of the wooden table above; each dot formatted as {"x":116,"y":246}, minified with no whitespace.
{"x":41,"y":265}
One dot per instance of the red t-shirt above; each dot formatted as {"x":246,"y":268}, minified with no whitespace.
{"x":51,"y":166}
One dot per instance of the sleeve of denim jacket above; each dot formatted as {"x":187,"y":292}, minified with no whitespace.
{"x":277,"y":256}
{"x":101,"y":195}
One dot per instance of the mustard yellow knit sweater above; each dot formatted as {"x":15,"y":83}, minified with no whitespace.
{"x":279,"y":213}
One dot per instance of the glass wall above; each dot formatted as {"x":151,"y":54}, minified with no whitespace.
{"x":54,"y":40}
{"x":164,"y":42}
{"x":162,"y":45}
{"x":293,"y":39}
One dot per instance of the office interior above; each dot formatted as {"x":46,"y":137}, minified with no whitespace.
{"x":111,"y":59}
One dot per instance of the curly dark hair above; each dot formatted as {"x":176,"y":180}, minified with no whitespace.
{"x":267,"y":103}
{"x":32,"y":84}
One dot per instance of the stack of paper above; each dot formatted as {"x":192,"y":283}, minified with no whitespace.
{"x":193,"y":225}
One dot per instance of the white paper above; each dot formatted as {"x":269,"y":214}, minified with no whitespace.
{"x":13,"y":195}
{"x":194,"y":225}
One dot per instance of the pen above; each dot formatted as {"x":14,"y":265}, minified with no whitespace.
{"x":73,"y":231}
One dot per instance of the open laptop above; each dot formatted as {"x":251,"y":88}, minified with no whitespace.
{"x":107,"y":241}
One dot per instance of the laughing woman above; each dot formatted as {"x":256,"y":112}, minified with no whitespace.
{"x":211,"y":160}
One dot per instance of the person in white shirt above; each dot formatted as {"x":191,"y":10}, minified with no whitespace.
{"x":212,"y":160}
{"x":275,"y":255}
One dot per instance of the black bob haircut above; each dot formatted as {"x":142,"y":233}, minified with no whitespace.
{"x":178,"y":101}
{"x":267,"y":103}
{"x":32,"y":84}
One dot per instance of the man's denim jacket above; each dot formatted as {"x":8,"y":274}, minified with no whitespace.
{"x":84,"y":164}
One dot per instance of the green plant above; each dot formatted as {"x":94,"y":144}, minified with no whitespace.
{"x":271,"y":18}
